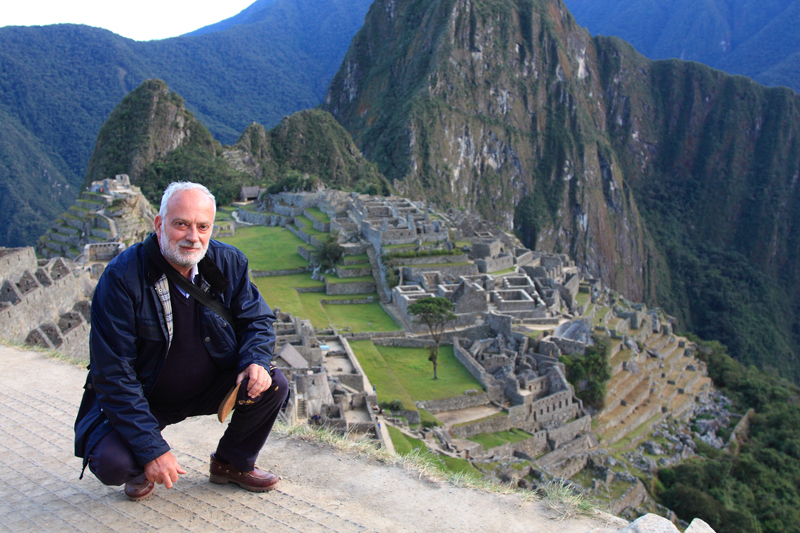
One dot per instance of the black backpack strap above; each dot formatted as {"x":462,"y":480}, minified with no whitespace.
{"x":154,"y":252}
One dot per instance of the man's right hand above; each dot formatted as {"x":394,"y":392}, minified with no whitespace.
{"x":164,"y":469}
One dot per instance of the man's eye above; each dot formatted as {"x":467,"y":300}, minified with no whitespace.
{"x":203,"y":227}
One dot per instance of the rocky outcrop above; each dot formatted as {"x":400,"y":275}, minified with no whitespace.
{"x":500,"y":110}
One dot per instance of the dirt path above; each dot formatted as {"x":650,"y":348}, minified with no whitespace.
{"x":321,"y":490}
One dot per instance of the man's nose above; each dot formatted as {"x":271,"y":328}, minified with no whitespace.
{"x":191,"y":234}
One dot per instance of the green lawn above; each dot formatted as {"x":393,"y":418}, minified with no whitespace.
{"x":491,"y":440}
{"x":319,"y":215}
{"x":381,"y":375}
{"x":279,"y":291}
{"x":359,"y":317}
{"x":582,"y":298}
{"x":268,"y":248}
{"x":415,"y":372}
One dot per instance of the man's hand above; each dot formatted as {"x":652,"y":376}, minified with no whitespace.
{"x":164,"y":469}
{"x":260,"y":380}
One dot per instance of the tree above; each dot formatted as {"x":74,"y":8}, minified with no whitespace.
{"x":331,"y":252}
{"x":434,"y":312}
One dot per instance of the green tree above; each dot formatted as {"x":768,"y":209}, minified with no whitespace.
{"x":590,"y":372}
{"x":435,"y":312}
{"x":331,"y":252}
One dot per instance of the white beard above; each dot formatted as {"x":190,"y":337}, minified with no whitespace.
{"x":172,"y":251}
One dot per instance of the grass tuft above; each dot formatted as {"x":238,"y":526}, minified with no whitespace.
{"x":560,"y":497}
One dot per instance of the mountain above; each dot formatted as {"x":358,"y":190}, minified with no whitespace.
{"x":755,"y":39}
{"x":153,"y":138}
{"x":59,"y":83}
{"x":673,"y":182}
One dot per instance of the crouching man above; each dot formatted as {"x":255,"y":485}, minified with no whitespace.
{"x":160,"y":355}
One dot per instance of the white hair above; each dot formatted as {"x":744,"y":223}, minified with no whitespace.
{"x":180,"y":186}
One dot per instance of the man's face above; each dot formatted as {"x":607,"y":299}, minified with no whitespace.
{"x":184,"y":232}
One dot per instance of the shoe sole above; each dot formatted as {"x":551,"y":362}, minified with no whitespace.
{"x":141,"y":498}
{"x":220,"y":480}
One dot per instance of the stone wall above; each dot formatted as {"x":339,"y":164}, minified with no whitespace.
{"x":361,"y":384}
{"x":403,"y":342}
{"x":431,"y":259}
{"x":632,"y":498}
{"x":365,"y":300}
{"x":568,"y":346}
{"x":303,"y":200}
{"x":454,"y":271}
{"x":352,"y":272}
{"x":270,"y":273}
{"x":525,"y":258}
{"x":487,"y":425}
{"x":260,"y":219}
{"x":305,"y":253}
{"x":361,"y":287}
{"x":500,"y":323}
{"x":14,"y":261}
{"x":464,"y":401}
{"x":569,"y":431}
{"x":494,"y":389}
{"x":40,"y":305}
{"x":495,"y":264}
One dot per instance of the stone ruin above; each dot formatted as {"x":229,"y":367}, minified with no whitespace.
{"x":328,"y":385}
{"x":107,"y":217}
{"x":44,"y":303}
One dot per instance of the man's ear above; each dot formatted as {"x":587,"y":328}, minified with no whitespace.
{"x":157,"y":224}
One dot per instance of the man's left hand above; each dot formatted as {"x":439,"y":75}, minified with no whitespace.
{"x":260,"y":380}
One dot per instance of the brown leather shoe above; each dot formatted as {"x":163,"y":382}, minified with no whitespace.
{"x":254,"y":481}
{"x":139,"y":489}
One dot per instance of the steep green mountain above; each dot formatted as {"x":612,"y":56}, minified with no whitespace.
{"x":153,"y":138}
{"x":756,"y":39}
{"x":309,"y":141}
{"x":59,"y":83}
{"x":672,"y":182}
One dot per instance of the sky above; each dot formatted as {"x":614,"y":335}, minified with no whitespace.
{"x":142,"y":20}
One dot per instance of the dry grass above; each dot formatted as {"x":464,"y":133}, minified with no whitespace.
{"x":555,"y":494}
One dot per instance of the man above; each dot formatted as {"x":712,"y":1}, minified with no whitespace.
{"x":158,"y":355}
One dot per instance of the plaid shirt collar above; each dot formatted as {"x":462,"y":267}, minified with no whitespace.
{"x":162,"y":289}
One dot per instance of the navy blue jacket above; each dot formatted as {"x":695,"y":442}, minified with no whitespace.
{"x":129,"y":343}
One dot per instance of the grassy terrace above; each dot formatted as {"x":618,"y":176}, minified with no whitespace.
{"x":405,"y":374}
{"x":395,"y":247}
{"x":357,"y":265}
{"x":268,"y":248}
{"x":601,"y":314}
{"x":503,"y":272}
{"x":492,"y":440}
{"x":222,"y":216}
{"x":361,"y":258}
{"x":319,"y":215}
{"x":308,"y":226}
{"x":279,"y":291}
{"x":582,"y":298}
